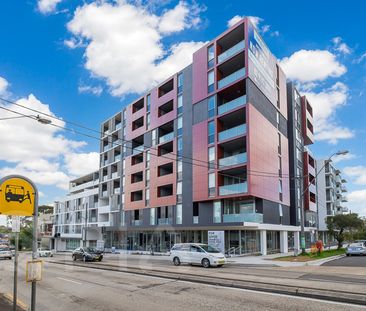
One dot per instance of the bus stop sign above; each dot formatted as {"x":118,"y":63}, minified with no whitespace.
{"x":17,"y":196}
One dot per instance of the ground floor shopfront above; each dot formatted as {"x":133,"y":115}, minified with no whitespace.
{"x":273,"y":239}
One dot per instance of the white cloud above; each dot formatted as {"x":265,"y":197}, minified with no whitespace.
{"x":340,"y":158}
{"x":256,"y":21}
{"x":82,"y":163}
{"x":357,"y":201}
{"x":360,"y":59}
{"x":340,"y":46}
{"x":124,"y":43}
{"x":74,"y":43}
{"x":40,"y":152}
{"x":312,"y":65}
{"x":357,"y":173}
{"x":95,"y":90}
{"x":48,"y":6}
{"x":3,"y":86}
{"x":232,"y":21}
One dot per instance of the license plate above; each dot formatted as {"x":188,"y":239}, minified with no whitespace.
{"x":222,"y":261}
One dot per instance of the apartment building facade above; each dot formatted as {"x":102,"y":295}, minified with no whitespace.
{"x":207,"y":150}
{"x":332,"y":194}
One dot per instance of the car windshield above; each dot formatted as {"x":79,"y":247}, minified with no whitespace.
{"x":4,"y":249}
{"x":209,"y":249}
{"x":90,"y":250}
{"x":356,"y":245}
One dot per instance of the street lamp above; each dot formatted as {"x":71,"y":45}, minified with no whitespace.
{"x":302,"y":238}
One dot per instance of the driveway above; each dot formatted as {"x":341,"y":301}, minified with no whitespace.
{"x":351,"y":261}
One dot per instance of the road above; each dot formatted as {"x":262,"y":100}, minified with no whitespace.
{"x":78,"y":288}
{"x":351,"y":261}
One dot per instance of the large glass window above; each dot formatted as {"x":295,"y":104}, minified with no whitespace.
{"x":211,"y":184}
{"x":210,"y":56}
{"x":180,"y":146}
{"x":178,"y":214}
{"x":211,"y":81}
{"x":153,"y":137}
{"x":180,"y":125}
{"x":147,"y":196}
{"x":211,"y":106}
{"x":148,"y":120}
{"x":217,"y":212}
{"x":179,"y":191}
{"x":180,"y":82}
{"x":179,"y":169}
{"x":211,"y":132}
{"x":153,"y":216}
{"x":148,"y":100}
{"x":180,"y":104}
{"x":147,"y":177}
{"x":211,"y":157}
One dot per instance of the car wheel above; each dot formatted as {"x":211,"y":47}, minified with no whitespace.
{"x":347,"y":254}
{"x":205,"y":263}
{"x":176,"y":261}
{"x":73,"y":258}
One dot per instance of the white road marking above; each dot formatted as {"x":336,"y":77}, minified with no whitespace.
{"x":67,"y":280}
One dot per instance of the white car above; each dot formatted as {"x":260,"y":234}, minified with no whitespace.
{"x":44,"y":253}
{"x":197,"y":254}
{"x":5,"y":252}
{"x":356,"y":249}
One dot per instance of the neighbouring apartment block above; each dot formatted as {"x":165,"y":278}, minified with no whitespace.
{"x":220,"y":146}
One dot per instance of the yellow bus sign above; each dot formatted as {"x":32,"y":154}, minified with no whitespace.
{"x":18,"y":196}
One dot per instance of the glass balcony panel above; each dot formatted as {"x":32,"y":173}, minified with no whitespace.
{"x":230,"y":52}
{"x":233,"y":160}
{"x":165,"y":221}
{"x":232,"y":104}
{"x":195,"y":219}
{"x":118,"y":126}
{"x":233,"y":189}
{"x":245,"y":217}
{"x":138,"y":149}
{"x":233,"y":132}
{"x":166,"y":137}
{"x":231,"y":78}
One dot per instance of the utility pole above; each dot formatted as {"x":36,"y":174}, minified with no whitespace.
{"x":16,"y":229}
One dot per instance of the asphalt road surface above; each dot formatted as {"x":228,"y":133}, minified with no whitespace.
{"x":75,"y":288}
{"x":348,"y":261}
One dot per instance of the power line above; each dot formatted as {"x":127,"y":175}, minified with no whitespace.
{"x":277,"y":175}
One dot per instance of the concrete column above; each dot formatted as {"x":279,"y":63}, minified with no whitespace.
{"x":297,"y":240}
{"x":263,"y":237}
{"x":283,"y":241}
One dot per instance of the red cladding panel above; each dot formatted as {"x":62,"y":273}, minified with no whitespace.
{"x":200,"y":172}
{"x":307,"y":121}
{"x":263,"y":157}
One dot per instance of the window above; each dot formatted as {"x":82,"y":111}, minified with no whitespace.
{"x":217,"y":212}
{"x":210,"y":56}
{"x":180,"y":83}
{"x":211,"y":106}
{"x":280,"y":189}
{"x":180,"y":125}
{"x":211,"y":158}
{"x":280,"y":210}
{"x":279,"y":166}
{"x":180,"y":104}
{"x":179,"y":169}
{"x":179,"y":191}
{"x":147,"y":158}
{"x":152,"y":216}
{"x":178,"y":214}
{"x":211,"y":132}
{"x":147,"y":196}
{"x":179,"y":146}
{"x":153,"y":137}
{"x":210,"y":81}
{"x":211,"y":184}
{"x":148,"y":101}
{"x":279,"y":143}
{"x":278,"y":119}
{"x":147,"y":177}
{"x":147,"y":120}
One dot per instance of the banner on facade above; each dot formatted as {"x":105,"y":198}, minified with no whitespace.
{"x":217,"y":239}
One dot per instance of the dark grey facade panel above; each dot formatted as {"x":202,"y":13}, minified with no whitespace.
{"x":264,"y":106}
{"x":200,"y":111}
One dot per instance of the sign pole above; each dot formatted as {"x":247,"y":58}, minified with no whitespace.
{"x":34,"y":250}
{"x":15,"y":290}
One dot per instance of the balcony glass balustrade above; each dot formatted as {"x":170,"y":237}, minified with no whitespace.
{"x":231,"y":78}
{"x":232,"y":104}
{"x":165,"y":221}
{"x":233,"y":160}
{"x":245,"y":217}
{"x":233,"y":132}
{"x":138,"y":149}
{"x":233,"y":189}
{"x":166,"y":137}
{"x":230,"y":52}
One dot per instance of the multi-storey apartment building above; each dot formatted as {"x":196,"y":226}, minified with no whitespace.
{"x":76,"y":218}
{"x":302,"y":163}
{"x":208,"y":150}
{"x":331,"y":194}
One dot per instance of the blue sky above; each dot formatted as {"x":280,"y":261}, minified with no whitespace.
{"x":81,"y":61}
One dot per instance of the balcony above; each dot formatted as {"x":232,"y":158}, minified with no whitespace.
{"x":118,"y":126}
{"x":166,"y":137}
{"x":165,"y":221}
{"x":105,"y":148}
{"x":233,"y":132}
{"x":230,"y":52}
{"x":138,"y":149}
{"x":233,"y":189}
{"x":240,"y":158}
{"x":117,"y":158}
{"x":114,"y":175}
{"x":104,"y":193}
{"x":239,"y":74}
{"x":246,"y":217}
{"x":117,"y":191}
{"x":137,"y":222}
{"x":232,"y":104}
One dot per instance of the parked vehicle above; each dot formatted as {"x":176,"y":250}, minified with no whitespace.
{"x":44,"y":253}
{"x":356,"y":249}
{"x":361,"y":241}
{"x":87,"y":254}
{"x":197,"y":254}
{"x":5,"y":252}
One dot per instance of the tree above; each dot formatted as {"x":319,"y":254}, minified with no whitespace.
{"x":45,"y":209}
{"x":339,"y":225}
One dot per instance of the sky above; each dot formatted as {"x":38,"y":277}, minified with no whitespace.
{"x":82,"y":61}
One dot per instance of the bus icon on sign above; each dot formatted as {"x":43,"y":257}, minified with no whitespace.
{"x":16,"y":194}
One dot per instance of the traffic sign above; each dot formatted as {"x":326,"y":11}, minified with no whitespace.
{"x":33,"y":271}
{"x":15,"y":224}
{"x":17,"y":196}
